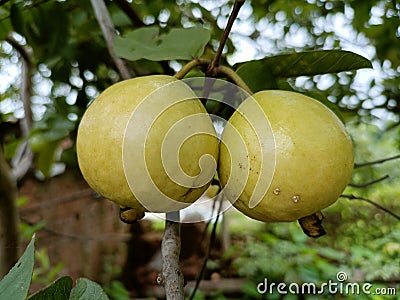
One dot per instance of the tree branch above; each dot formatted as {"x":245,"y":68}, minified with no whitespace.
{"x":123,"y":237}
{"x":104,"y":19}
{"x":9,"y":235}
{"x":136,"y":21}
{"x":235,"y":11}
{"x":22,"y":161}
{"x":75,"y":196}
{"x":363,"y":185}
{"x":353,"y":197}
{"x":172,"y":277}
{"x":130,"y":12}
{"x":379,"y":161}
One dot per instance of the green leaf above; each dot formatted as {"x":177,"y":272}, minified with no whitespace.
{"x":15,"y":284}
{"x":306,"y":63}
{"x":27,"y":231}
{"x":58,"y":290}
{"x":11,"y":148}
{"x":146,"y":43}
{"x":46,"y":157}
{"x":258,"y":76}
{"x":5,"y":22}
{"x":86,"y":289}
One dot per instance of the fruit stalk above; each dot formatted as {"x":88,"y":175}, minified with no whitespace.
{"x":235,"y":78}
{"x":230,"y":73}
{"x":191,"y":65}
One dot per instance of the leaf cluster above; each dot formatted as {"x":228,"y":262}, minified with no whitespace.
{"x":15,"y":285}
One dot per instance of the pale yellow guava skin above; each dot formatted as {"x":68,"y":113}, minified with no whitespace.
{"x":313,"y":152}
{"x":101,"y":136}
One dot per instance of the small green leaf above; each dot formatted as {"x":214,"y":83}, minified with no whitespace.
{"x":178,"y":43}
{"x":46,"y":157}
{"x":15,"y":284}
{"x":86,"y":289}
{"x":58,"y":290}
{"x":11,"y":148}
{"x":27,"y":231}
{"x":306,"y":63}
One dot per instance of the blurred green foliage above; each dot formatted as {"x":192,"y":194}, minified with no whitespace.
{"x":361,"y":240}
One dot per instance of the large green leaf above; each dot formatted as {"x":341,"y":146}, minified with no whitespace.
{"x":257,"y":73}
{"x":86,"y":289}
{"x":58,"y":290}
{"x":258,"y":76}
{"x":147,"y":43}
{"x":15,"y":284}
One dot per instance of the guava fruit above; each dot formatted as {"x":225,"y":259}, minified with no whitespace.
{"x":148,"y":144}
{"x":284,"y":156}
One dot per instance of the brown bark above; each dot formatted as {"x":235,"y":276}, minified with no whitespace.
{"x":9,"y":235}
{"x":172,"y":276}
{"x":107,"y":27}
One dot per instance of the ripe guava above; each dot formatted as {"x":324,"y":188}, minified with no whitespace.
{"x":284,"y":156}
{"x":142,"y":144}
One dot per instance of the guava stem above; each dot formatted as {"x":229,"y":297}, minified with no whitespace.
{"x":171,"y":276}
{"x":220,"y":69}
{"x":235,"y":78}
{"x":191,"y":65}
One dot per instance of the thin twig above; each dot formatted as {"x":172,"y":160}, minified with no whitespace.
{"x":171,"y":276}
{"x":123,"y":237}
{"x":396,"y":11}
{"x":126,"y":7}
{"x":212,"y":238}
{"x":204,"y":234}
{"x":22,"y":161}
{"x":375,"y":162}
{"x":363,"y":185}
{"x":235,"y":11}
{"x":26,"y":85}
{"x":353,"y":197}
{"x":78,"y":195}
{"x":107,"y":27}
